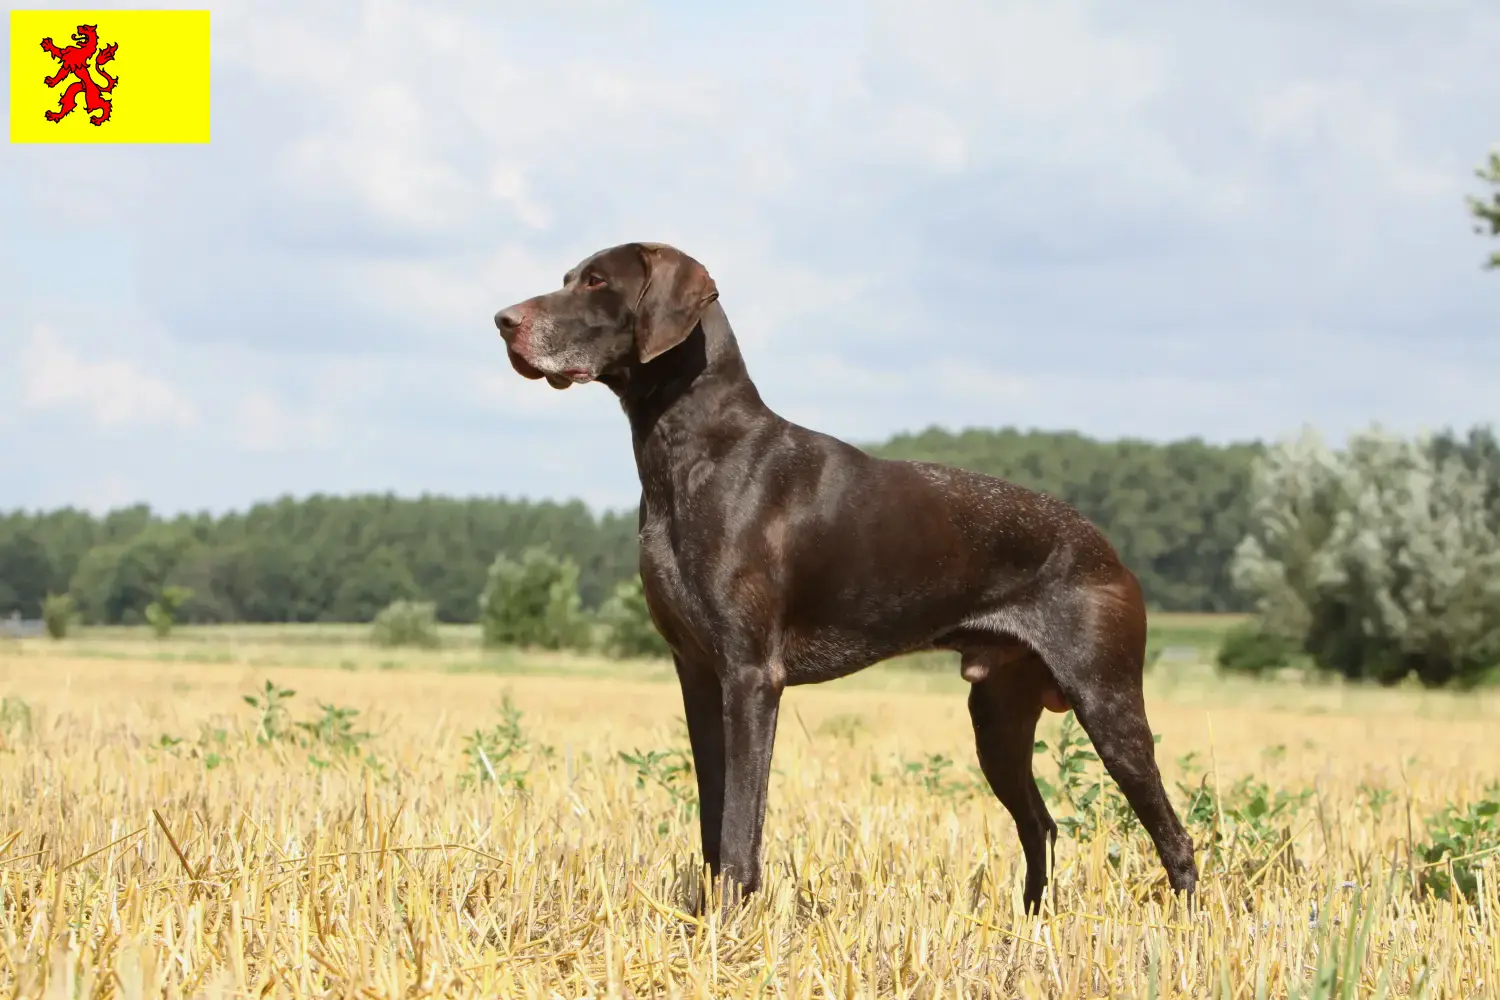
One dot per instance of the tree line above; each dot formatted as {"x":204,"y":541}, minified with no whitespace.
{"x":1176,"y":511}
{"x":321,"y":558}
{"x":1377,"y":561}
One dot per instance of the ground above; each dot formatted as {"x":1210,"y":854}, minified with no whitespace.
{"x":160,"y":834}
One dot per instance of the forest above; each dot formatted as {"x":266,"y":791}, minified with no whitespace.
{"x":1176,"y":511}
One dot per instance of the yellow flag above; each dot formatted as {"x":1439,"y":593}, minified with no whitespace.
{"x":109,"y":76}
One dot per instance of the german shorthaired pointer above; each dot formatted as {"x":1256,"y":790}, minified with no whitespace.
{"x":774,"y":555}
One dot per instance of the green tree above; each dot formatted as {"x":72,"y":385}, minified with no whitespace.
{"x":64,"y":534}
{"x":1382,"y":560}
{"x":25,"y":575}
{"x":373,"y":583}
{"x":270,"y":580}
{"x":145,"y":565}
{"x":124,"y":523}
{"x":629,"y":628}
{"x":115,"y":581}
{"x":1486,"y":211}
{"x":533,"y":601}
{"x":1295,"y":502}
{"x":1479,"y":451}
{"x":92,"y":583}
{"x":201,"y":572}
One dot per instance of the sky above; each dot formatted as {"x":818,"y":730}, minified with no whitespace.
{"x":1185,"y":218}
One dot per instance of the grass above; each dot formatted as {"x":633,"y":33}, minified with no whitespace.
{"x":460,"y":651}
{"x":260,"y":812}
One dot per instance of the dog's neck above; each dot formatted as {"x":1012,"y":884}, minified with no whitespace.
{"x":688,"y":405}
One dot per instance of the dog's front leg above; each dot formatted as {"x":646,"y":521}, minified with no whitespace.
{"x":751,"y":701}
{"x":703,"y":704}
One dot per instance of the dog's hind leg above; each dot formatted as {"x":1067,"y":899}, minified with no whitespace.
{"x":1117,"y":726}
{"x":1004,"y":705}
{"x":1097,"y":657}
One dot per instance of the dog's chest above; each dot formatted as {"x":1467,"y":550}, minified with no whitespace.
{"x":679,"y":611}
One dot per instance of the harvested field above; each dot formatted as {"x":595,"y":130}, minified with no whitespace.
{"x":162,"y":836}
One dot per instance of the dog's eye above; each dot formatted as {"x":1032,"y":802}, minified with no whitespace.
{"x":593,"y":281}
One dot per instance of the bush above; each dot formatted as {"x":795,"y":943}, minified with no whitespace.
{"x":533,"y":601}
{"x":162,"y":612}
{"x":58,"y":611}
{"x":630,"y":630}
{"x":1457,"y":841}
{"x":1383,"y":559}
{"x":406,"y":623}
{"x":1251,"y":648}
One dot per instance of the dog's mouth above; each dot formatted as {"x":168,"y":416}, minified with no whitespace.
{"x":522,"y":366}
{"x":570,"y":376}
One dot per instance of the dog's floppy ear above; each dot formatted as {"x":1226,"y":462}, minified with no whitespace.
{"x":672,"y":300}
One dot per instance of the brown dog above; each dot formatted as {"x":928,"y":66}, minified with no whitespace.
{"x":774,"y":555}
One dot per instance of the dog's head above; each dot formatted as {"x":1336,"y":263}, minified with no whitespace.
{"x":620,"y":307}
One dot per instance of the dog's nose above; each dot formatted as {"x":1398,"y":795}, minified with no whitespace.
{"x":508,"y":320}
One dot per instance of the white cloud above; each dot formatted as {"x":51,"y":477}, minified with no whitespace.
{"x":1015,"y":84}
{"x":1034,"y":62}
{"x":458,"y":294}
{"x":510,"y":186}
{"x":265,"y":423}
{"x":1346,"y":117}
{"x":384,"y":155}
{"x":114,"y":392}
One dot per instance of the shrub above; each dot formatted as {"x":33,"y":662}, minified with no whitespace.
{"x":162,"y":612}
{"x":58,"y":611}
{"x":1251,"y":648}
{"x":15,"y":718}
{"x":630,"y":630}
{"x":1382,"y":559}
{"x":533,"y":601}
{"x":406,"y":623}
{"x":494,"y":754}
{"x":1456,"y":845}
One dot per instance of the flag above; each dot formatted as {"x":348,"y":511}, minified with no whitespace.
{"x":109,"y":76}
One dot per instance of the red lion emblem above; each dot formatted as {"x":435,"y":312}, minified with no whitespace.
{"x":75,"y":62}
